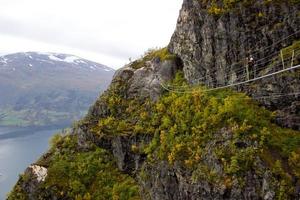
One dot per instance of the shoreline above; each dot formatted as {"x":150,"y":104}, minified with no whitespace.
{"x":18,"y":132}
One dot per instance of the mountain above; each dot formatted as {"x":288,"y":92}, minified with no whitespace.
{"x":170,"y":127}
{"x":214,"y":46}
{"x":48,"y":88}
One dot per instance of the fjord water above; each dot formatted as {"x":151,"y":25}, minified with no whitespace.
{"x":19,"y":147}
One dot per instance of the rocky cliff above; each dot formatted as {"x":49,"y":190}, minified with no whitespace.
{"x":215,"y":38}
{"x":188,"y":144}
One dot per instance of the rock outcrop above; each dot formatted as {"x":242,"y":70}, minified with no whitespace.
{"x":142,"y":84}
{"x":215,"y":38}
{"x":39,"y":172}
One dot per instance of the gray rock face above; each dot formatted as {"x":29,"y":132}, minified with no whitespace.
{"x":141,"y":83}
{"x":210,"y":44}
{"x":145,"y":82}
{"x":129,"y":83}
{"x":33,"y":177}
{"x":214,"y":48}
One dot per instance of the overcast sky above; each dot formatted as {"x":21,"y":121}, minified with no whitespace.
{"x":105,"y":31}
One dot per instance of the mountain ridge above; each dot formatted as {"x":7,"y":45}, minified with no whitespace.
{"x":38,"y":86}
{"x":60,"y":57}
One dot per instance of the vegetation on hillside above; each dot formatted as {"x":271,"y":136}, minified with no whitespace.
{"x":221,"y":137}
{"x":184,"y":125}
{"x":162,"y":54}
{"x":220,"y":7}
{"x":290,"y":52}
{"x":80,"y":175}
{"x":186,"y":128}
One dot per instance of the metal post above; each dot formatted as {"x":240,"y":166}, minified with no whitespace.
{"x":293,"y":55}
{"x":247,"y":71}
{"x":282,"y":59}
{"x":207,"y":81}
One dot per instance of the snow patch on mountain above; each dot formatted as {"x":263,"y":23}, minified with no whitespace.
{"x":35,"y":59}
{"x":71,"y":59}
{"x":52,"y":57}
{"x":80,"y":61}
{"x":44,"y":53}
{"x":68,"y":59}
{"x":3,"y":60}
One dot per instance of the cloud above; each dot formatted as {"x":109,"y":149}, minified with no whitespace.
{"x":11,"y":44}
{"x":114,"y":29}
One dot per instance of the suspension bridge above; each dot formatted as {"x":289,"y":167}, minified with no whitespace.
{"x":278,"y":62}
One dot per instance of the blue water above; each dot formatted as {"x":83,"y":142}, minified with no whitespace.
{"x":19,"y":152}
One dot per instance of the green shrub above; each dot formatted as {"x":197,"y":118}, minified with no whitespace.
{"x":87,"y":175}
{"x":182,"y":125}
{"x":91,"y":174}
{"x":163,"y":54}
{"x":220,"y":7}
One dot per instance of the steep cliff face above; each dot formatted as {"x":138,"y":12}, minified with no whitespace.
{"x":178,"y":145}
{"x":214,"y":39}
{"x":98,"y":151}
{"x":210,"y":42}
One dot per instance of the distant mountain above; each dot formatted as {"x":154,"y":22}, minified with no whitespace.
{"x":48,"y":88}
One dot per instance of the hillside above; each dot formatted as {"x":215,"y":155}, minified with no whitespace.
{"x":48,"y":88}
{"x":171,"y":136}
{"x":214,"y":39}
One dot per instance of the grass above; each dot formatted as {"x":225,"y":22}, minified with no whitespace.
{"x":221,"y":7}
{"x":182,"y":126}
{"x":79,"y":175}
{"x":163,"y":54}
